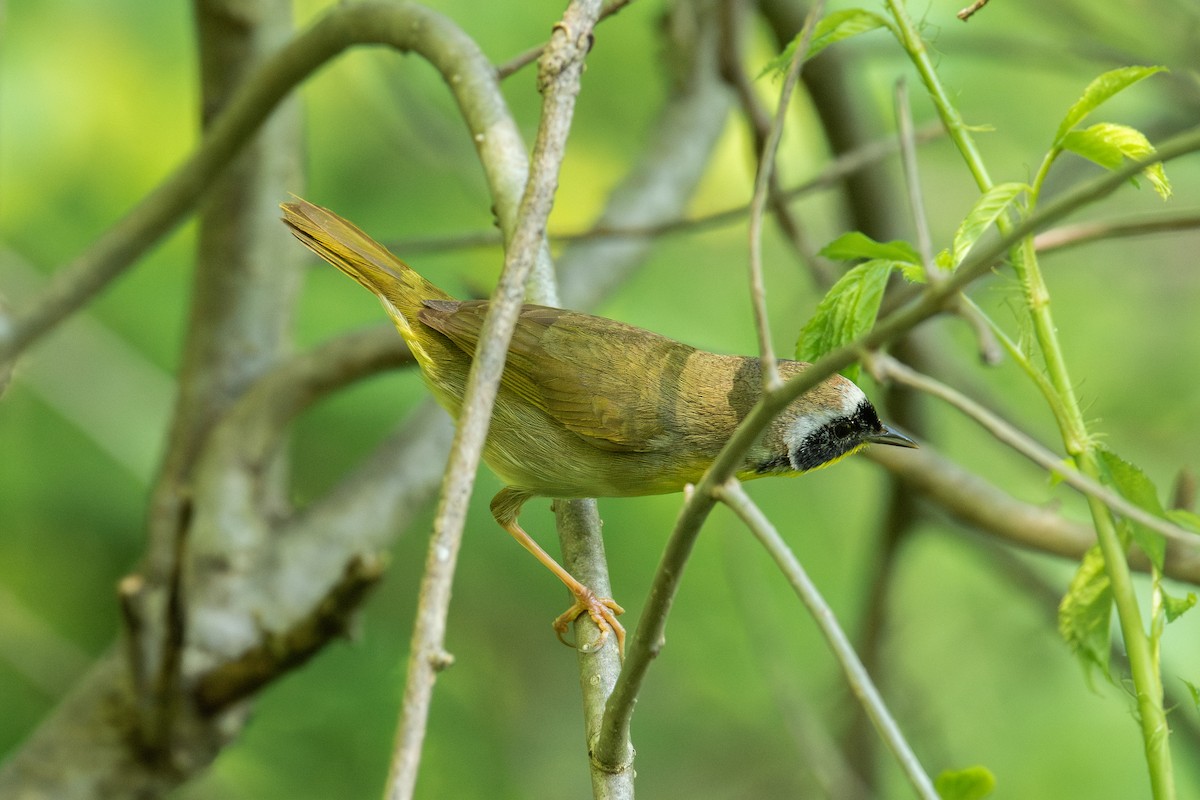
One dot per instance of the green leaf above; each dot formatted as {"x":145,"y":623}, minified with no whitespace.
{"x":842,"y":25}
{"x":846,"y":312}
{"x":913,"y":273}
{"x":1176,"y":607}
{"x":1099,"y":91}
{"x":1085,"y":613}
{"x":944,"y":260}
{"x":1194,"y":691}
{"x":832,"y":29}
{"x":972,"y":783}
{"x":855,"y":244}
{"x":1109,"y":144}
{"x":779,"y":64}
{"x":1134,"y":486}
{"x":983,"y":214}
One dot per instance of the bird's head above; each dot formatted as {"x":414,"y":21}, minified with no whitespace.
{"x":823,"y":426}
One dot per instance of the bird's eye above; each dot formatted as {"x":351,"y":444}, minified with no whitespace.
{"x":842,"y":429}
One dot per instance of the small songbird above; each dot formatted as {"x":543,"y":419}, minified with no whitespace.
{"x":591,"y":407}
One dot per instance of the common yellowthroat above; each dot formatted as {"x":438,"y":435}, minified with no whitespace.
{"x":591,"y":407}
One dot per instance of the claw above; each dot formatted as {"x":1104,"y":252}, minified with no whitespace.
{"x":602,"y":610}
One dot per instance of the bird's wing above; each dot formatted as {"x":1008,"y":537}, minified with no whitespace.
{"x":610,"y":383}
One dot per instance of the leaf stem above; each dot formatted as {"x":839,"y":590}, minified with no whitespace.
{"x":1147,"y":682}
{"x":911,"y":41}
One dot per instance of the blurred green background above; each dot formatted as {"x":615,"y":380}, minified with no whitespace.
{"x":98,"y":103}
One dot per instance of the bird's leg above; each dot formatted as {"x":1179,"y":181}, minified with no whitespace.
{"x":603,"y":610}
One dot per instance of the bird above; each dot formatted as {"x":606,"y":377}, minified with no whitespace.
{"x":592,"y":407}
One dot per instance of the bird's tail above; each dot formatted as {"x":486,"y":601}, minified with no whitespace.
{"x":343,"y":244}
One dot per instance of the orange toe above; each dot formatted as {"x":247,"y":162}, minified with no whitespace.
{"x":603,"y":611}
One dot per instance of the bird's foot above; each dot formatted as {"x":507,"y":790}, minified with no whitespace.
{"x":602,"y":610}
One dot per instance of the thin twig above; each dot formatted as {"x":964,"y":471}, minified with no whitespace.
{"x":732,"y":61}
{"x":912,"y":180}
{"x":649,"y":638}
{"x":890,"y":368}
{"x":758,"y":202}
{"x":519,"y":62}
{"x":733,"y":495}
{"x":1087,"y":232}
{"x":838,"y":170}
{"x":558,"y":78}
{"x":656,"y":187}
{"x":990,"y":351}
{"x":968,"y":12}
{"x":840,"y":94}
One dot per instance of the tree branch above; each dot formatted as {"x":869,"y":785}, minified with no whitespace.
{"x":583,"y":556}
{"x":278,"y":653}
{"x":404,"y":26}
{"x":131,"y":724}
{"x":519,"y":62}
{"x":245,"y":283}
{"x":1086,"y":232}
{"x":558,"y":78}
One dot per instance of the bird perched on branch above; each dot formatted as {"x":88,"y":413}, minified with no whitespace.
{"x":591,"y":407}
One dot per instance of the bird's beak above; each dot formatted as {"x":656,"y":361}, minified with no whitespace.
{"x":890,"y":436}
